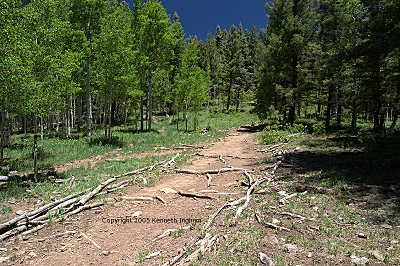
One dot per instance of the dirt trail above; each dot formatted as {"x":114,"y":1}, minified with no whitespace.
{"x":125,"y":243}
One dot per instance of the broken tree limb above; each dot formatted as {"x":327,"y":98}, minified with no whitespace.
{"x":87,"y":197}
{"x":209,"y":179}
{"x":261,"y":221}
{"x":71,"y":182}
{"x":90,"y":240}
{"x":191,"y":195}
{"x":211,"y":219}
{"x":283,"y":200}
{"x":169,"y":231}
{"x":249,"y":177}
{"x":293,"y":215}
{"x":161,"y":199}
{"x":192,"y":146}
{"x":85,"y":207}
{"x":217,"y":171}
{"x":170,"y":162}
{"x":283,"y":158}
{"x":248,"y":197}
{"x":222,"y":159}
{"x":36,"y":212}
{"x":188,"y":246}
{"x":64,"y":233}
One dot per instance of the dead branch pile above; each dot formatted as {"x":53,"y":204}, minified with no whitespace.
{"x":58,"y":210}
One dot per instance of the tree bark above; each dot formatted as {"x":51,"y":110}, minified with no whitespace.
{"x":150,"y":101}
{"x":354,"y":114}
{"x":395,"y":116}
{"x":2,"y":138}
{"x":329,"y":109}
{"x":88,"y":101}
{"x":35,"y":150}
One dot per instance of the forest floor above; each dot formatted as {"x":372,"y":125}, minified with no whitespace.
{"x":316,"y":226}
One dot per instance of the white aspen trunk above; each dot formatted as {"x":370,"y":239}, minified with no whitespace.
{"x":58,"y":122}
{"x":35,"y":149}
{"x":49,"y":124}
{"x":41,"y":128}
{"x":88,"y":102}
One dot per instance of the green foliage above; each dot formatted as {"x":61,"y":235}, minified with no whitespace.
{"x":271,"y":136}
{"x":273,"y":118}
{"x":318,"y":129}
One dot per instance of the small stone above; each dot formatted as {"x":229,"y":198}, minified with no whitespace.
{"x":362,"y":235}
{"x":106,"y":252}
{"x":273,"y":240}
{"x":136,"y":214}
{"x":394,"y":241}
{"x":265,"y":260}
{"x":4,"y":259}
{"x":359,"y":261}
{"x":275,"y":221}
{"x":377,"y":255}
{"x":19,"y":212}
{"x":386,"y":226}
{"x":309,"y":255}
{"x":292,"y":249}
{"x":32,"y":254}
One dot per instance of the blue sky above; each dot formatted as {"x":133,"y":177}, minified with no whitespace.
{"x":198,"y":17}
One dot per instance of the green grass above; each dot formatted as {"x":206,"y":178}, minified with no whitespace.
{"x":56,"y":150}
{"x":362,"y":168}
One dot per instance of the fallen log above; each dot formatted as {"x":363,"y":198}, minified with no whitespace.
{"x":36,"y":212}
{"x":87,"y":197}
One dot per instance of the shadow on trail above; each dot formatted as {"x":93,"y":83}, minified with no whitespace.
{"x":364,"y":170}
{"x":252,"y":129}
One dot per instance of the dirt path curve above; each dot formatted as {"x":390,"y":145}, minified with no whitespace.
{"x":118,"y":243}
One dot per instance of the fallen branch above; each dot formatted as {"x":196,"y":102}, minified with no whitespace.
{"x":161,"y":199}
{"x":188,"y":246}
{"x":168,"y":232}
{"x":222,"y":159}
{"x":36,"y":212}
{"x":271,"y":148}
{"x":192,"y":146}
{"x":211,"y":219}
{"x":71,"y":205}
{"x":170,"y":162}
{"x":204,"y":245}
{"x":248,"y":197}
{"x":90,"y":240}
{"x":293,"y":215}
{"x":209,"y":179}
{"x":261,"y":221}
{"x":87,"y":197}
{"x":316,"y":189}
{"x":190,"y":195}
{"x":283,"y":158}
{"x":85,"y":207}
{"x":218,"y":171}
{"x":71,"y":182}
{"x":283,"y":200}
{"x":64,"y":234}
{"x":249,"y":177}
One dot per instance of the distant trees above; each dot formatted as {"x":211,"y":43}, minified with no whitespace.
{"x":85,"y":63}
{"x":331,"y":59}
